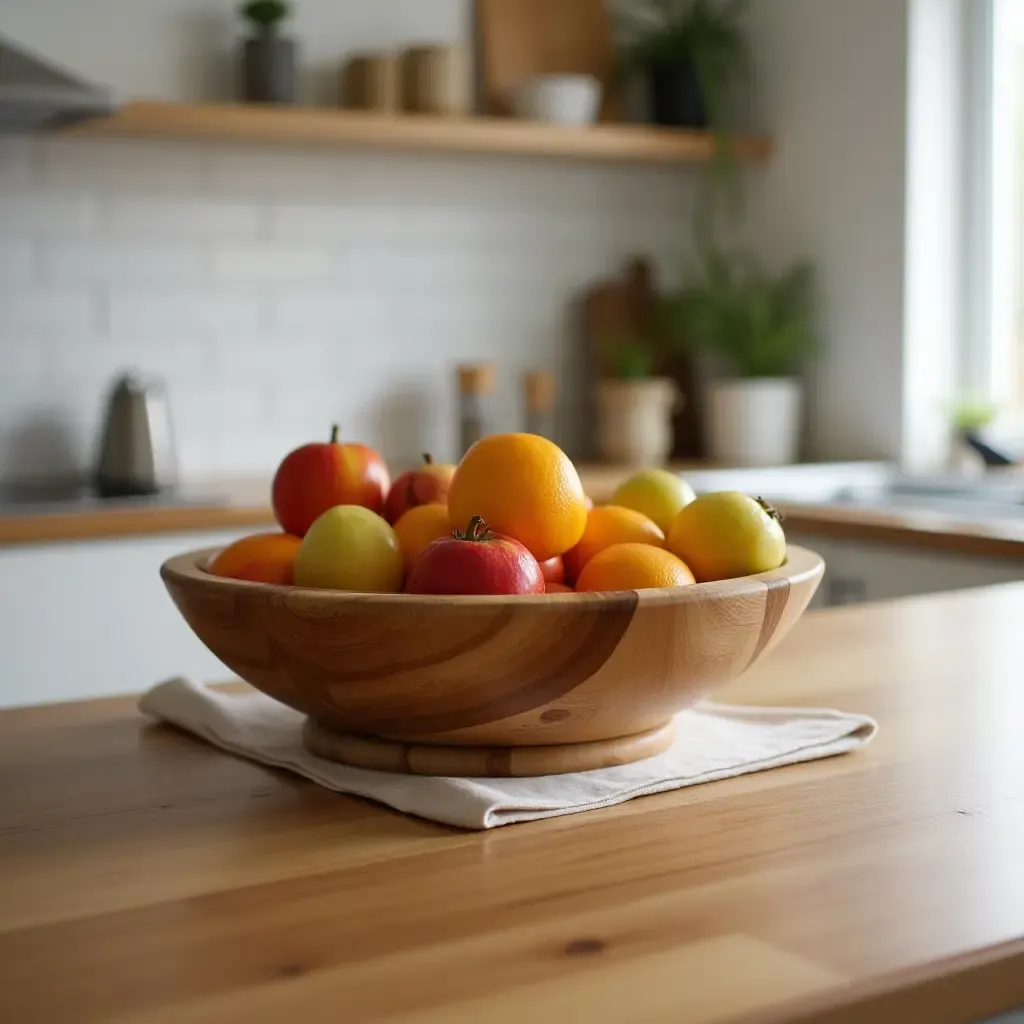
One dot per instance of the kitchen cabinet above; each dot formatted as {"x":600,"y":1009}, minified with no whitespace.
{"x":856,"y":571}
{"x":92,"y":618}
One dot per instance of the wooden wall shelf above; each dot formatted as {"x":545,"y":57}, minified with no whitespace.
{"x":486,"y":135}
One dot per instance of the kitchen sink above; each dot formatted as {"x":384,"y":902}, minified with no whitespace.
{"x":878,"y":486}
{"x":981,"y":499}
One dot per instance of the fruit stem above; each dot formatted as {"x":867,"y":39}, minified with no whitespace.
{"x":770,"y":509}
{"x":334,"y":433}
{"x":476,"y":530}
{"x":428,"y":459}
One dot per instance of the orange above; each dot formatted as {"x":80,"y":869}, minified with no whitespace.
{"x":419,"y":527}
{"x":726,"y":534}
{"x":523,"y":486}
{"x":556,"y":588}
{"x":633,"y":567}
{"x":260,"y":557}
{"x":608,"y":525}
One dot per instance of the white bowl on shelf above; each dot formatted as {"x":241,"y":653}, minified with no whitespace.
{"x":557,"y":99}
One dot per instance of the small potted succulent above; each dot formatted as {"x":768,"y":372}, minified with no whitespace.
{"x":691,"y":53}
{"x":635,"y":404}
{"x":759,"y":328}
{"x":268,"y":59}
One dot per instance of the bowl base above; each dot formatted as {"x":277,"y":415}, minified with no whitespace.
{"x":483,"y":762}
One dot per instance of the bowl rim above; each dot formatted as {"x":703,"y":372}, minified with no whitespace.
{"x":800,"y":566}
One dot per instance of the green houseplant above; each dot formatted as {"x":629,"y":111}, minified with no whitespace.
{"x":268,"y":59}
{"x":635,"y":401}
{"x":691,"y":53}
{"x":760,"y":328}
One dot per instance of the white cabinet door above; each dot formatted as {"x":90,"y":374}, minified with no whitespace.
{"x":856,"y":572}
{"x":88,"y":619}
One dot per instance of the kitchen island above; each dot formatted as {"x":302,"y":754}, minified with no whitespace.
{"x":146,"y":876}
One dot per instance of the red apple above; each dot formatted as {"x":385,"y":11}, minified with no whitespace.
{"x":424,"y":485}
{"x":553,"y":569}
{"x":318,"y":476}
{"x":475,"y":562}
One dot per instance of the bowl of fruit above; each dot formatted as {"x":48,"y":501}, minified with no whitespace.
{"x":486,"y":619}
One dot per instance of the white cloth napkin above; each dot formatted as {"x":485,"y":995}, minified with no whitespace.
{"x":713,"y":741}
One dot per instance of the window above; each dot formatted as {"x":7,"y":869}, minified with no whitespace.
{"x":998,"y":366}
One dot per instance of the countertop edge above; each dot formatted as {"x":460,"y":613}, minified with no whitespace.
{"x":984,"y":983}
{"x":921,"y":530}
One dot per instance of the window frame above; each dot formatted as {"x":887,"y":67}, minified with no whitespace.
{"x":993,"y":225}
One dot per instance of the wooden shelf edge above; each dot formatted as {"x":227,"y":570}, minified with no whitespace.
{"x":485,"y":135}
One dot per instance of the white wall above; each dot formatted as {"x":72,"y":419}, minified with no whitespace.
{"x":279,"y":289}
{"x":162,"y":49}
{"x":235,"y":269}
{"x":832,"y":86}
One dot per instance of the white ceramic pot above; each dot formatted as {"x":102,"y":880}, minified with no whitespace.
{"x":634,"y":420}
{"x":560,"y":99}
{"x":755,"y":422}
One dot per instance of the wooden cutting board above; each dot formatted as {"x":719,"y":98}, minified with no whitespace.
{"x":625,"y":304}
{"x":521,"y":38}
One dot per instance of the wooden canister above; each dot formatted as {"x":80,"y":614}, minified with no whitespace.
{"x":371,"y":82}
{"x":436,"y":80}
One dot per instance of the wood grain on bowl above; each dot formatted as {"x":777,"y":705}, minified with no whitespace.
{"x":489,"y":762}
{"x":488,"y":672}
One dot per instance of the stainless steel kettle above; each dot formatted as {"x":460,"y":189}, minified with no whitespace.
{"x":137,"y":454}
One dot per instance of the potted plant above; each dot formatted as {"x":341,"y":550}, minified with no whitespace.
{"x":691,"y":53}
{"x":635,"y":405}
{"x":760,"y":328}
{"x":268,"y":59}
{"x":970,"y":453}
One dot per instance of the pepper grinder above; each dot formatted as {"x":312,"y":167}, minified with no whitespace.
{"x":539,"y":401}
{"x":476,"y":383}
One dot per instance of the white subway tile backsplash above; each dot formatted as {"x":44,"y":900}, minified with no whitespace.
{"x":32,"y":214}
{"x":18,"y":263}
{"x":221,"y":409}
{"x":121,"y":165}
{"x":174,"y":309}
{"x":68,"y":310}
{"x":277,"y":291}
{"x":22,"y":359}
{"x":181,"y":361}
{"x":264,"y":264}
{"x":340,"y":221}
{"x":143,"y":220}
{"x":123,"y":263}
{"x":343,"y":309}
{"x":289,"y":358}
{"x":284,"y":173}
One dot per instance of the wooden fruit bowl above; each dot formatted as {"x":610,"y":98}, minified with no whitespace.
{"x":490,"y":686}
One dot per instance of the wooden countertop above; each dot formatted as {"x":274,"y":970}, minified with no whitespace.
{"x":147,"y":877}
{"x":245,"y":508}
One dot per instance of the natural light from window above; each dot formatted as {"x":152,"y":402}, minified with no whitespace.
{"x":1006,"y":362}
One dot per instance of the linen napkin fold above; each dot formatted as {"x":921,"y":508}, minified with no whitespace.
{"x":713,"y":741}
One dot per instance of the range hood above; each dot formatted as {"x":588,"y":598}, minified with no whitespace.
{"x":35,"y":96}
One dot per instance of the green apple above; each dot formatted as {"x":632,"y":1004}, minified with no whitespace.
{"x":348,"y":547}
{"x":657,"y":493}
